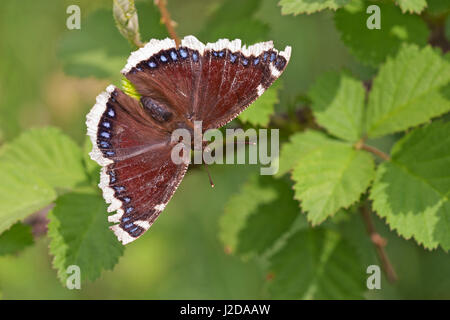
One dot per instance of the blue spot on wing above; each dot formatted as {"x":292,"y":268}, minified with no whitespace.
{"x":183,"y":53}
{"x":105,"y":134}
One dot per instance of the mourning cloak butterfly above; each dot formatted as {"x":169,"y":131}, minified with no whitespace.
{"x":211,"y":83}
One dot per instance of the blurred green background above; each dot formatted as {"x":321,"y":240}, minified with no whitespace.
{"x":42,"y":82}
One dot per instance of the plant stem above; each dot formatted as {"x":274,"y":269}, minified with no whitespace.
{"x":165,"y":18}
{"x":361,"y":145}
{"x":379,"y":243}
{"x":376,"y":152}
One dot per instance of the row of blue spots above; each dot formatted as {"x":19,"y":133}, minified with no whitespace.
{"x":112,"y":176}
{"x":129,"y":225}
{"x":174,"y":56}
{"x":106,"y":124}
{"x":133,"y":230}
{"x":219,"y":54}
{"x":244,"y":60}
{"x":272,"y":56}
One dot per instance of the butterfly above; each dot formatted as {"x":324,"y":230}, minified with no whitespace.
{"x":131,"y":137}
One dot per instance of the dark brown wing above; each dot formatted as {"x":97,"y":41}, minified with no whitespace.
{"x":211,"y":83}
{"x":138,"y":177}
{"x":232,"y":77}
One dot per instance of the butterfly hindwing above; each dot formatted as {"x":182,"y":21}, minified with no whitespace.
{"x":138,"y":176}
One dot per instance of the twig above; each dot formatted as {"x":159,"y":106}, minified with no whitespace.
{"x":379,"y":243}
{"x":361,"y":145}
{"x":165,"y":18}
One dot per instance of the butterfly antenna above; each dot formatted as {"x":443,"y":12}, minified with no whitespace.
{"x":209,"y":176}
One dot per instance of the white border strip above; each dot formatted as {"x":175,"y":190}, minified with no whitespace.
{"x":191,"y":42}
{"x":144,"y":53}
{"x":92,"y":121}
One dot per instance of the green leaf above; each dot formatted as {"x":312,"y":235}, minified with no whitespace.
{"x":316,"y":264}
{"x":130,"y":89}
{"x":299,"y":145}
{"x":410,"y":89}
{"x":126,"y":18}
{"x":234,"y":20}
{"x":15,"y":239}
{"x":415,"y":6}
{"x":331,"y":178}
{"x":412,"y":190}
{"x":258,"y":114}
{"x":49,"y":154}
{"x":80,"y":236}
{"x":372,"y":46}
{"x":256,"y":216}
{"x":309,"y":6}
{"x":438,"y":7}
{"x":338,"y":104}
{"x":447,"y":28}
{"x":99,"y":49}
{"x":22,"y":193}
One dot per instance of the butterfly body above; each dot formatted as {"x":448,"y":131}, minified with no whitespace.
{"x":132,"y":139}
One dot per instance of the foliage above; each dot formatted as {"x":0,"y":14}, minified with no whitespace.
{"x":419,"y":167}
{"x":15,"y":239}
{"x":80,"y":235}
{"x":378,"y":137}
{"x":372,"y":46}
